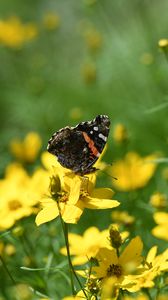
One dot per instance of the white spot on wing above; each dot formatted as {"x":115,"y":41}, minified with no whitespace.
{"x":101,"y":136}
{"x":95,"y":128}
{"x":91,"y":132}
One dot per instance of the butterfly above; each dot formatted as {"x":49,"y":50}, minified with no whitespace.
{"x":78,"y":148}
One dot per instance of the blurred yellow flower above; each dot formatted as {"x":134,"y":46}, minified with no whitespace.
{"x":93,"y":39}
{"x":89,"y":72}
{"x":28,"y":149}
{"x":75,"y":113}
{"x":162,"y":297}
{"x":138,"y":297}
{"x":20,"y":193}
{"x":14,"y":207}
{"x":161,"y":231}
{"x":70,"y":194}
{"x":23,"y":291}
{"x":133,"y":172}
{"x":13,"y":33}
{"x":163,"y":43}
{"x":120,"y":133}
{"x":10,"y":249}
{"x":147,"y":58}
{"x":122,"y":217}
{"x":86,"y":246}
{"x":119,"y":268}
{"x":158,"y":200}
{"x":51,"y":21}
{"x":80,"y":295}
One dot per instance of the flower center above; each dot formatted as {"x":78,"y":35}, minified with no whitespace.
{"x":83,"y":193}
{"x":62,"y":196}
{"x":14,"y":205}
{"x":114,"y":270}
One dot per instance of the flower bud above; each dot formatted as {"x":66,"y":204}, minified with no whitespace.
{"x":18,"y":231}
{"x":158,"y":200}
{"x":54,"y":187}
{"x":115,"y":237}
{"x":163,"y":44}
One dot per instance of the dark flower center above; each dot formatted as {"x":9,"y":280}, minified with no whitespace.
{"x":14,"y":205}
{"x":114,"y":270}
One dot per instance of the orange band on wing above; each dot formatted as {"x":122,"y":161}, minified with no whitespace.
{"x":91,"y":144}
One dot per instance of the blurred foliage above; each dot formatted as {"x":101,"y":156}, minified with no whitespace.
{"x":88,"y":58}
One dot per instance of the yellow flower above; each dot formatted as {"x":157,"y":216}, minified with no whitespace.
{"x":158,"y":200}
{"x":119,"y":268}
{"x":152,"y":267}
{"x":14,"y":34}
{"x":75,"y":113}
{"x":86,"y":246}
{"x":163,"y":43}
{"x":10,"y":249}
{"x":23,"y":291}
{"x":133,"y":172}
{"x":122,"y":217}
{"x":89,"y":73}
{"x":51,"y":21}
{"x":93,"y":39}
{"x":19,"y":194}
{"x":28,"y":149}
{"x":14,"y":206}
{"x":120,"y":133}
{"x":70,"y":194}
{"x":161,"y":231}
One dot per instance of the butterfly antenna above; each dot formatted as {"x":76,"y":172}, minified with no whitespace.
{"x":109,"y":165}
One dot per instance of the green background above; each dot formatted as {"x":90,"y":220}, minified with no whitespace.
{"x":42,"y":82}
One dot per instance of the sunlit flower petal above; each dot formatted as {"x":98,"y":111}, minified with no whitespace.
{"x":49,"y":212}
{"x":132,"y":253}
{"x":96,"y":203}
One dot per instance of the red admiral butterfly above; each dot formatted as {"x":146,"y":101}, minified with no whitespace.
{"x":78,"y":148}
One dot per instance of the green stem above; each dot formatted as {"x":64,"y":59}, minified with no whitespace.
{"x":166,"y":55}
{"x":148,"y":294}
{"x":68,"y":253}
{"x":72,"y":271}
{"x":7,"y":270}
{"x":72,"y":268}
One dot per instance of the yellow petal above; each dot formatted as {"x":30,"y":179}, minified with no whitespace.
{"x":74,"y":190}
{"x":102,"y":193}
{"x":96,"y":203}
{"x":47,"y":214}
{"x":72,"y":214}
{"x":80,"y":260}
{"x":161,"y":217}
{"x":132,"y":253}
{"x":161,"y":232}
{"x":151,"y":254}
